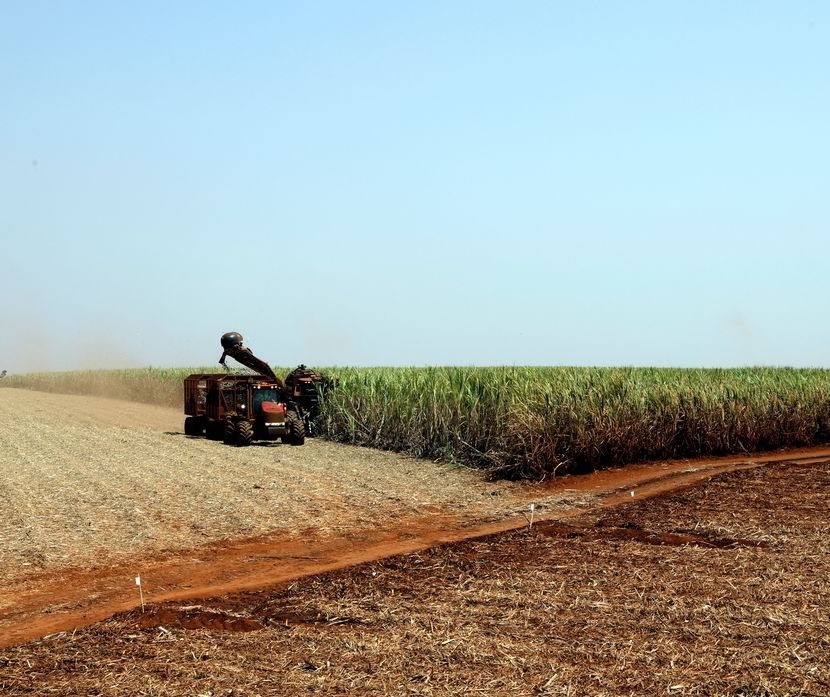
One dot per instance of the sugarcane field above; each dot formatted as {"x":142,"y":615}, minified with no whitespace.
{"x":440,"y":349}
{"x":140,"y":559}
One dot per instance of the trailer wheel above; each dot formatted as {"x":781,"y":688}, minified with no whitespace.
{"x":229,"y":437}
{"x":296,"y":429}
{"x":214,"y":430}
{"x":192,"y":426}
{"x":244,"y":433}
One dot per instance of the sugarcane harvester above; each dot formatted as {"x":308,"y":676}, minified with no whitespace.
{"x":239,"y":409}
{"x":232,"y":346}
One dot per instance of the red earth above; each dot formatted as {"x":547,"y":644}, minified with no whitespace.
{"x":62,"y":600}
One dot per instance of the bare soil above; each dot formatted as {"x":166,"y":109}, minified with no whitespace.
{"x":274,"y":570}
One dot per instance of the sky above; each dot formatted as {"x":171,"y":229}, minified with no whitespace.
{"x":449,"y":182}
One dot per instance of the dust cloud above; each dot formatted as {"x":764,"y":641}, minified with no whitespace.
{"x":31,"y":346}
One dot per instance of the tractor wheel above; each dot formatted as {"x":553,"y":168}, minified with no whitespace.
{"x":296,"y":429}
{"x":229,"y":436}
{"x":215,"y":430}
{"x":244,"y":433}
{"x":192,"y":426}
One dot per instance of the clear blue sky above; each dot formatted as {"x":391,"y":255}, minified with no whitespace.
{"x":391,"y":183}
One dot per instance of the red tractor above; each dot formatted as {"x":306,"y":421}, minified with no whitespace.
{"x":239,"y":409}
{"x":242,"y":408}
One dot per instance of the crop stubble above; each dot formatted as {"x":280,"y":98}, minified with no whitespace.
{"x":608,"y":603}
{"x":85,"y":480}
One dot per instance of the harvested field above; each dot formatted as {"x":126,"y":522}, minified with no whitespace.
{"x":711,"y":579}
{"x":88,"y":480}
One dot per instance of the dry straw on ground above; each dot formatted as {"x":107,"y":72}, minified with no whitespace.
{"x":89,"y":481}
{"x":552,"y":610}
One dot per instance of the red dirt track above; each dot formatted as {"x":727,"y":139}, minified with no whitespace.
{"x":60,"y":600}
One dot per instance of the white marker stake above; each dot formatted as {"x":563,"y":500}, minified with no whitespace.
{"x":532,"y":509}
{"x":140,"y":591}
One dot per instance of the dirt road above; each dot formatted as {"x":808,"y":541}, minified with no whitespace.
{"x":95,"y":492}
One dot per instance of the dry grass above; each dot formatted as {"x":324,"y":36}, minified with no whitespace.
{"x":550,"y":610}
{"x":106,"y":493}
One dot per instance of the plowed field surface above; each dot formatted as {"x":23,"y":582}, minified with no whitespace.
{"x":331,"y":569}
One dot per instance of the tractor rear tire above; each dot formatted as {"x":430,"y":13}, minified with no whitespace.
{"x":244,"y":433}
{"x":229,"y":436}
{"x":296,"y":429}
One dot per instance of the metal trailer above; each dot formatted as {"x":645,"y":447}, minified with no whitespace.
{"x":239,"y":409}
